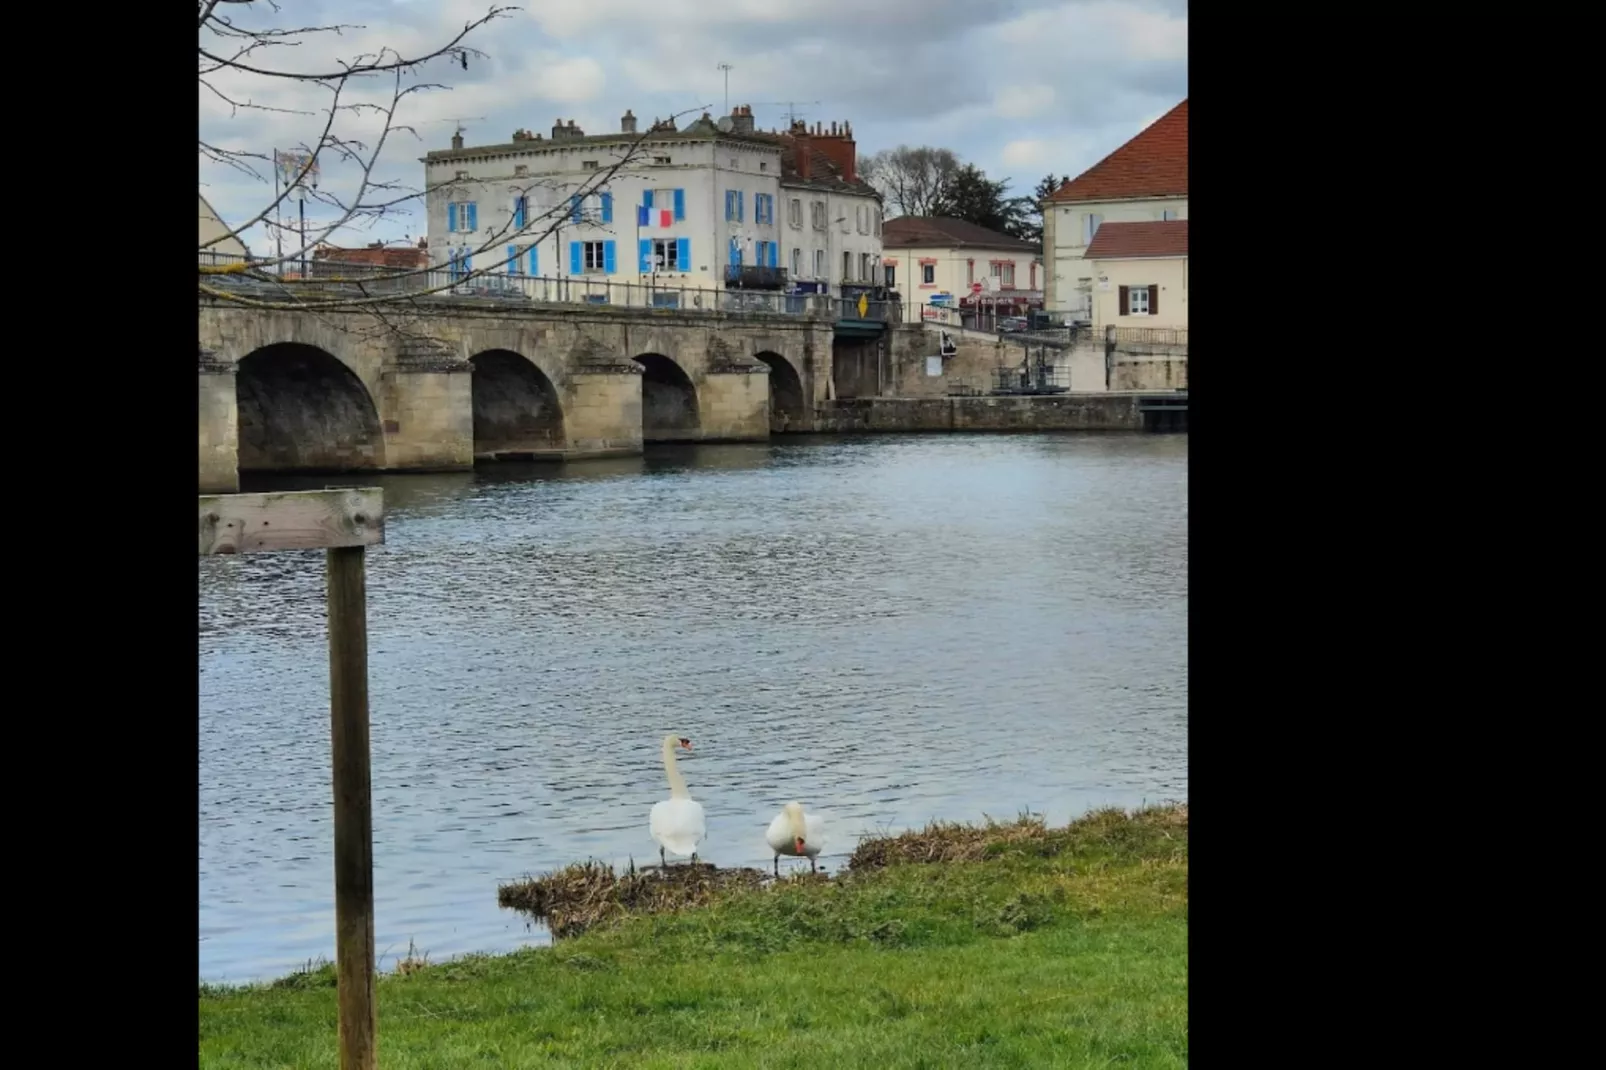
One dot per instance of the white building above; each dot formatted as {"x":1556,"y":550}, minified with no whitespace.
{"x":937,"y":262}
{"x":702,"y":207}
{"x":1145,"y":180}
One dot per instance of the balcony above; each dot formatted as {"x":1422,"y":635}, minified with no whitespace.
{"x":753,"y":277}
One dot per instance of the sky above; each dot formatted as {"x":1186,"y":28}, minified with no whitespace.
{"x":1021,"y":88}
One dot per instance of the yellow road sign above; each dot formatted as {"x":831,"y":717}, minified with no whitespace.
{"x":864,"y":305}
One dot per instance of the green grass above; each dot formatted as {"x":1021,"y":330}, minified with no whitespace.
{"x":1062,"y":948}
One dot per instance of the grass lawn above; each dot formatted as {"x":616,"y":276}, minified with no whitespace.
{"x":1015,"y":945}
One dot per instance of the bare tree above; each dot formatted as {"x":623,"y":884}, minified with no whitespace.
{"x":913,"y":181}
{"x":348,"y":133}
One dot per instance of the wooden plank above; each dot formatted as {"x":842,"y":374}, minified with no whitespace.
{"x":353,"y":812}
{"x":292,"y":520}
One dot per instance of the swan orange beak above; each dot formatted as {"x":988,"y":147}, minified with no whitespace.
{"x":800,"y":845}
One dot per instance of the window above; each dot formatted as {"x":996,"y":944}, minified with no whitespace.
{"x":461,"y":217}
{"x":970,"y":272}
{"x":515,"y":259}
{"x":1168,"y":215}
{"x":819,"y":263}
{"x":844,"y":221}
{"x":660,"y":159}
{"x":797,"y":260}
{"x":733,"y":206}
{"x":763,"y":208}
{"x":865,"y":271}
{"x":892,"y":276}
{"x":594,"y":257}
{"x":878,"y":224}
{"x":1090,"y":226}
{"x":928,"y":274}
{"x":589,"y":165}
{"x":521,"y":170}
{"x":462,"y":176}
{"x":662,"y":207}
{"x":666,"y":254}
{"x":794,"y":214}
{"x":817,"y":214}
{"x":1004,"y":272}
{"x":763,"y":166}
{"x":521,"y":209}
{"x":460,"y":262}
{"x":1137,"y":300}
{"x":847,"y":266}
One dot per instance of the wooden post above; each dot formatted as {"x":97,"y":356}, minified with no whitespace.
{"x":344,"y":522}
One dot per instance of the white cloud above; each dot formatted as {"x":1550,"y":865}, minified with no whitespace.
{"x":1023,"y":101}
{"x":1027,"y":153}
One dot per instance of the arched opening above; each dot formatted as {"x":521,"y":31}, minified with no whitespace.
{"x":517,"y":416}
{"x":787,"y":411}
{"x":301,"y":410}
{"x":668,"y":401}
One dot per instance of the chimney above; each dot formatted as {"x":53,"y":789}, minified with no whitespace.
{"x":839,"y":147}
{"x":457,"y":140}
{"x":557,"y":130}
{"x":742,"y":119}
{"x":804,"y":143}
{"x":627,"y":125}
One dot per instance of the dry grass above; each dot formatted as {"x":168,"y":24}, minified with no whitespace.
{"x":577,"y":897}
{"x":944,"y":842}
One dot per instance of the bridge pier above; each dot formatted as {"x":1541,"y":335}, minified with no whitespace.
{"x":426,"y":402}
{"x":219,"y":427}
{"x":734,"y":400}
{"x":602,"y":409}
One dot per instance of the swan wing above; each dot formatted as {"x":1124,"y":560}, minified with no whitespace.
{"x":779,"y":835}
{"x":813,"y":834}
{"x":678,"y":825}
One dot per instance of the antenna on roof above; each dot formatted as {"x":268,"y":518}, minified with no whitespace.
{"x":460,"y":120}
{"x":727,"y":68}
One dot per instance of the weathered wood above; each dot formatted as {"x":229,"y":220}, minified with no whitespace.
{"x":354,"y":830}
{"x":292,"y":520}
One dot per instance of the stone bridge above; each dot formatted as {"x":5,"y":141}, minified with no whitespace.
{"x":437,"y":386}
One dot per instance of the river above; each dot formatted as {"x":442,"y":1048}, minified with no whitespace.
{"x":889,"y":629}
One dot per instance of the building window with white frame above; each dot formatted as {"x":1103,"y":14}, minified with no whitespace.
{"x":865,"y":271}
{"x":593,"y":259}
{"x":928,"y":274}
{"x":819,"y":263}
{"x":1137,"y":301}
{"x":1090,"y":226}
{"x":1006,"y":276}
{"x":666,"y":255}
{"x":797,"y":260}
{"x":817,"y":214}
{"x":794,"y":214}
{"x":847,"y":265}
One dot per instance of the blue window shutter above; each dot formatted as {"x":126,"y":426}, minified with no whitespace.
{"x":535,"y":263}
{"x":512,"y":259}
{"x":683,"y":253}
{"x":607,"y":207}
{"x":646,"y":199}
{"x":772,"y":254}
{"x":735,"y":253}
{"x":574,"y":208}
{"x":609,"y":264}
{"x":646,"y":256}
{"x":741,"y":205}
{"x":574,"y":258}
{"x":473,"y":216}
{"x":451,"y":217}
{"x":643,"y":216}
{"x":680,"y":204}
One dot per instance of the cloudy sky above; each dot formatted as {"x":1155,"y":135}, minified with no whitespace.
{"x":1019,"y":87}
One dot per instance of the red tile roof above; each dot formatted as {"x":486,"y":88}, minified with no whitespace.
{"x":405,"y":256}
{"x":1152,"y":164}
{"x":1120,"y":241}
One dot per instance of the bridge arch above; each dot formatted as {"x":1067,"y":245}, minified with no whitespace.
{"x":517,"y":412}
{"x":302,"y":409}
{"x":668,"y":401}
{"x":788,"y":410}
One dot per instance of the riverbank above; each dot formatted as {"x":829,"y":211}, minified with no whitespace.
{"x":1045,"y":412}
{"x":955,"y":946}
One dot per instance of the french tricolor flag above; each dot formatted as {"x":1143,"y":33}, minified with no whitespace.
{"x":648,"y":216}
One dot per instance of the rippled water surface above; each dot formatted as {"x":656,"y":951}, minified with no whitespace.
{"x":888,"y":629}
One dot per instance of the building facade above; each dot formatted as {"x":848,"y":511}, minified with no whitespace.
{"x":936,"y":263}
{"x":1145,"y":180}
{"x":713,"y":206}
{"x":1140,"y":274}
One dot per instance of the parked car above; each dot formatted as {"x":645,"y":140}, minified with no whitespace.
{"x":1012,"y":325}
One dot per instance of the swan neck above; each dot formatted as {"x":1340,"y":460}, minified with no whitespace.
{"x":677,"y":786}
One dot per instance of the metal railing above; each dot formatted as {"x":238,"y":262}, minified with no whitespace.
{"x":755,"y":277}
{"x":1150,"y":336}
{"x":335,"y":278}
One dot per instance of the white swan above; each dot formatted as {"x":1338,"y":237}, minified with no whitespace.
{"x":677,"y":822}
{"x":795,"y":834}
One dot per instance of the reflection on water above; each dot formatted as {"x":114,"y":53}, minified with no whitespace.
{"x":888,"y":629}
